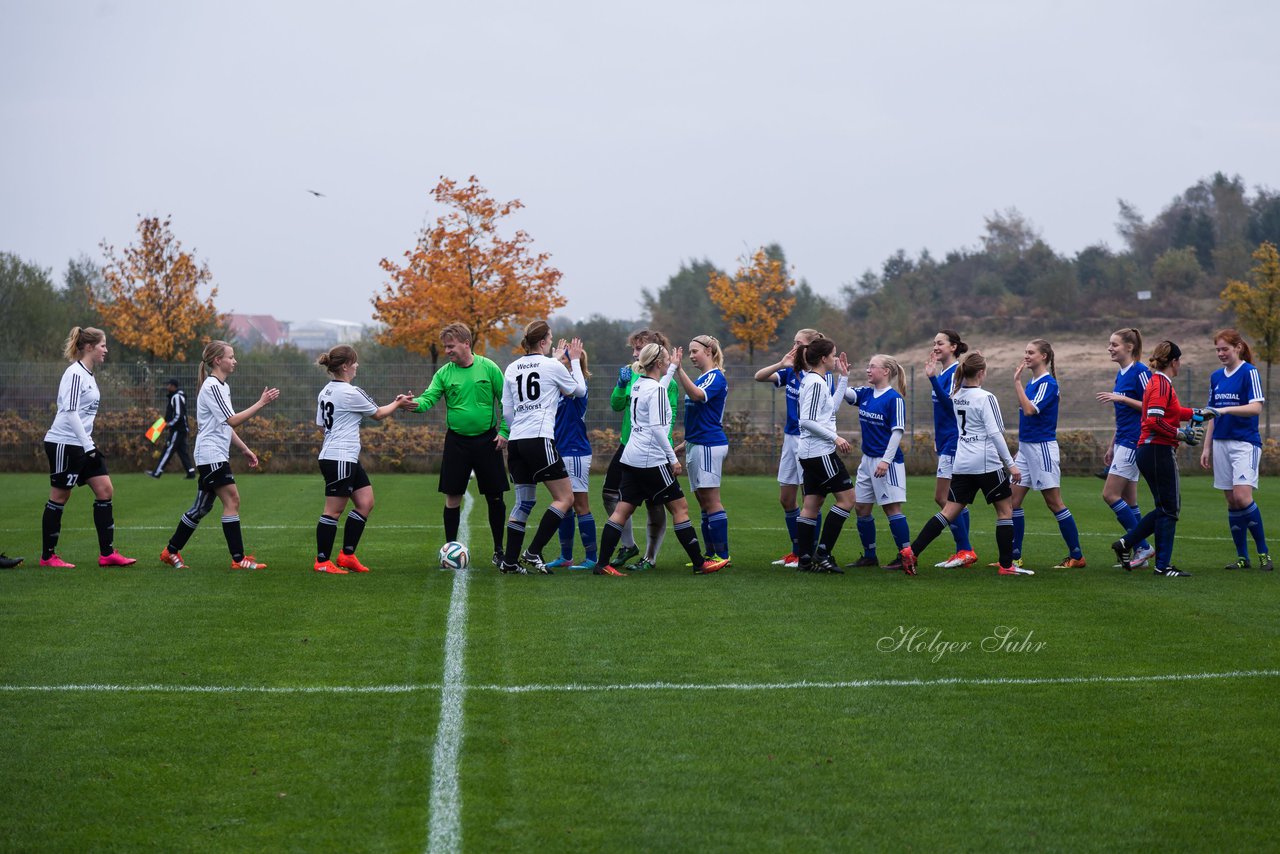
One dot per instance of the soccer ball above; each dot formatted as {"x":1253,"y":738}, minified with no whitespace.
{"x":454,"y":556}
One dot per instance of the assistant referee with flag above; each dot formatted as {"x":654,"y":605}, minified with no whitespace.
{"x":175,"y":419}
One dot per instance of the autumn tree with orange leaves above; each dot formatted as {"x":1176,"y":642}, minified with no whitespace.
{"x":152,"y":301}
{"x":754,"y":300}
{"x":464,"y":270}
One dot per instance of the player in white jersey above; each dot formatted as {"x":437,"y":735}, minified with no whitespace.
{"x":74,"y":458}
{"x":782,"y":374}
{"x":531,"y":389}
{"x":824,"y":472}
{"x":649,"y":463}
{"x":340,"y":407}
{"x":1233,"y":446}
{"x":216,"y":421}
{"x":982,"y":455}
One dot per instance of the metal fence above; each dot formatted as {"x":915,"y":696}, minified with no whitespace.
{"x":134,"y":395}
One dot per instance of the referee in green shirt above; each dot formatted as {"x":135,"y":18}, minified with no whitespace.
{"x":471,"y":386}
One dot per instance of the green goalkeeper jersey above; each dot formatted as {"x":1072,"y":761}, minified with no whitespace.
{"x":472,"y":396}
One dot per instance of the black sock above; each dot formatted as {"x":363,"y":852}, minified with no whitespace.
{"x":497,"y":519}
{"x":935,"y":526}
{"x":515,"y":540}
{"x":806,"y":532}
{"x":106,"y":525}
{"x":688,"y":538}
{"x":326,"y":532}
{"x":1004,"y":541}
{"x":181,"y":534}
{"x":546,"y":529}
{"x":50,"y":528}
{"x":608,"y":542}
{"x":352,"y":531}
{"x":235,"y":542}
{"x":452,"y":518}
{"x":832,"y":527}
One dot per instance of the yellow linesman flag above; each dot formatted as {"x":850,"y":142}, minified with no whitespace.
{"x":154,"y":431}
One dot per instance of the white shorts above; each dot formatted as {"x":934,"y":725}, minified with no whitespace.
{"x":1235,"y":463}
{"x":1124,"y":462}
{"x":579,"y":469}
{"x":1038,"y":463}
{"x":945,"y":464}
{"x":890,"y":489}
{"x":705,"y":464}
{"x":789,"y":471}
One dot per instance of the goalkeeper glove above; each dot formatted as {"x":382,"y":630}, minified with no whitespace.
{"x":1191,"y":434}
{"x":1199,"y":416}
{"x":624,"y":376}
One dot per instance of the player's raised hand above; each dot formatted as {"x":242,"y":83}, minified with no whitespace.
{"x":575,"y":349}
{"x":268,"y":395}
{"x":931,"y":366}
{"x":677,"y":355}
{"x":842,"y":364}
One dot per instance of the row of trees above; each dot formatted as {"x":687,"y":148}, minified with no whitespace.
{"x":158,"y":300}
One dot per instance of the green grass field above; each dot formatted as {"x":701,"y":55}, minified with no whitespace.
{"x":755,"y":709}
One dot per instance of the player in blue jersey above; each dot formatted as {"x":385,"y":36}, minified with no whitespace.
{"x":1233,"y":447}
{"x":881,"y":477}
{"x":1037,"y":456}
{"x":790,"y":476}
{"x":941,"y":370}
{"x":574,"y":446}
{"x":1121,"y":488}
{"x":705,"y":443}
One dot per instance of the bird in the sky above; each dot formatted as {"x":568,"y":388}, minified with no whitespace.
{"x":316,"y":193}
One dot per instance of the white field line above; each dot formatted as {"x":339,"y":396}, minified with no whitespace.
{"x":445,"y":829}
{"x":581,"y":688}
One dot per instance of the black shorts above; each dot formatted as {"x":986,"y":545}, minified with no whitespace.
{"x":613,"y":477}
{"x":535,"y":461}
{"x":69,"y":467}
{"x":654,"y":485}
{"x":214,"y":477}
{"x":825,"y":475}
{"x":466,"y":454}
{"x":342,"y":478}
{"x":994,"y":485}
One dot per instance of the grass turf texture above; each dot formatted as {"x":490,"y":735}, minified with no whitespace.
{"x":600,"y":757}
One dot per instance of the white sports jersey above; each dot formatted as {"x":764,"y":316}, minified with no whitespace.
{"x":339,"y":408}
{"x":78,"y":399}
{"x":531,"y":391}
{"x":981,"y":447}
{"x":816,"y":408}
{"x":649,"y":445}
{"x":213,"y":408}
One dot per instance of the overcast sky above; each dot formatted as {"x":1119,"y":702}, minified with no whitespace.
{"x":638,"y":135}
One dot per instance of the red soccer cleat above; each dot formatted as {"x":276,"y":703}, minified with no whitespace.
{"x":710,"y":565}
{"x":247,"y":562}
{"x":608,"y":570}
{"x":908,"y":560}
{"x":327,"y":566}
{"x":174,"y":559}
{"x":351,"y":562}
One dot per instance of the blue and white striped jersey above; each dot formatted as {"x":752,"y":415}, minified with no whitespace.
{"x":1043,"y":426}
{"x":704,"y":422}
{"x":880,"y":412}
{"x":1132,"y":383}
{"x":1238,"y":388}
